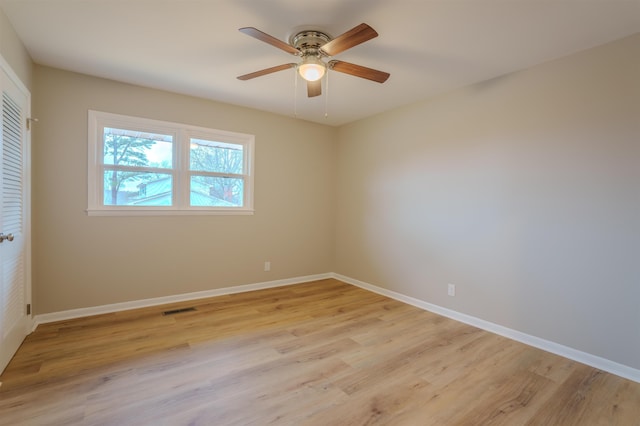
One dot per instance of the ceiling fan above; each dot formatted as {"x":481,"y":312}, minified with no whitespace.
{"x":313,"y":47}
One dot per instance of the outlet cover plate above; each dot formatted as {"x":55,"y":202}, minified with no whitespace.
{"x":451,"y":289}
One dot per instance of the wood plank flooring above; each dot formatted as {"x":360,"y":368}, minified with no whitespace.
{"x":320,"y":353}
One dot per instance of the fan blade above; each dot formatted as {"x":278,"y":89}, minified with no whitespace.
{"x":255,"y":33}
{"x":351,"y":38}
{"x":266,"y":71}
{"x":359,"y":71}
{"x":314,"y":88}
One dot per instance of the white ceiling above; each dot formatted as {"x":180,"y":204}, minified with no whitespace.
{"x":428,"y":46}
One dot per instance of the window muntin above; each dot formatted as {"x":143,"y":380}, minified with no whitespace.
{"x":142,"y":166}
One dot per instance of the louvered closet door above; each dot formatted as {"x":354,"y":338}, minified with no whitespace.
{"x":13,"y":221}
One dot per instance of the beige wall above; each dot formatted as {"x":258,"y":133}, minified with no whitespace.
{"x":81,"y":261}
{"x":14,"y":52}
{"x":523,"y":191}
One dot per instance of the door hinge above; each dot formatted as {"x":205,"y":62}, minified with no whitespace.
{"x":28,"y":308}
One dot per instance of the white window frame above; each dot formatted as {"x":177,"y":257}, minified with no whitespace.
{"x":182,"y":134}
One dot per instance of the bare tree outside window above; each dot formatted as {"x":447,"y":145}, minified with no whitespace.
{"x":221,"y":158}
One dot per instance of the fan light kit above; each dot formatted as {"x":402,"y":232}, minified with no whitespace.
{"x":313,"y":46}
{"x":312,"y":68}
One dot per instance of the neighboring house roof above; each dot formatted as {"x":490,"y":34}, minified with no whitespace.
{"x":158,"y":193}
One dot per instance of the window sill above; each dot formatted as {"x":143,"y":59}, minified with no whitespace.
{"x":168,"y":212}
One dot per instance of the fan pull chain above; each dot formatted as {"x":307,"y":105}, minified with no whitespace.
{"x":326,"y":97}
{"x":295,"y":91}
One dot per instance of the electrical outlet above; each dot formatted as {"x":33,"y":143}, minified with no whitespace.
{"x":267,"y":266}
{"x":451,"y":289}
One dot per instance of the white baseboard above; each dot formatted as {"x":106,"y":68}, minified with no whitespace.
{"x":135,"y":304}
{"x":546,"y":345}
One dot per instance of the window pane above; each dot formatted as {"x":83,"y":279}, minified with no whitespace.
{"x":211,"y":156}
{"x":217,"y":191}
{"x":132,"y":148}
{"x":137,"y":189}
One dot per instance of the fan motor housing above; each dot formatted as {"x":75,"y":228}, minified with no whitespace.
{"x":309,"y":42}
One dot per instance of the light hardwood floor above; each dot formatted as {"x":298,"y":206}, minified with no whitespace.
{"x":320,"y":353}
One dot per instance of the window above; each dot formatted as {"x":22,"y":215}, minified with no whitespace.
{"x":142,"y":166}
